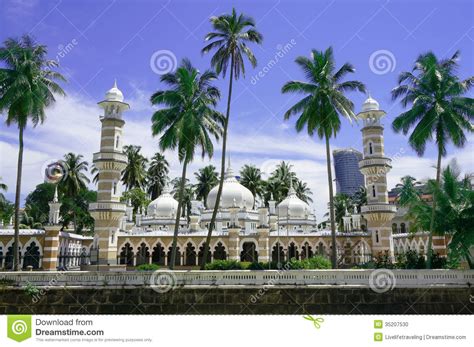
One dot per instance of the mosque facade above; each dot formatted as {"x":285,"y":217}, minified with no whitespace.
{"x":243,"y":230}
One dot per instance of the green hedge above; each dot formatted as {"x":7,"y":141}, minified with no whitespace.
{"x":147,"y":267}
{"x":317,"y":262}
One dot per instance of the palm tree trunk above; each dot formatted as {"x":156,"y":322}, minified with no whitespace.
{"x":16,"y":243}
{"x":433,"y":213}
{"x":331,"y":206}
{"x":178,"y":216}
{"x":221,"y":182}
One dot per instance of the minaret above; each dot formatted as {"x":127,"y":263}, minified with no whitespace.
{"x":54,"y":207}
{"x":375,"y":166}
{"x":108,"y":211}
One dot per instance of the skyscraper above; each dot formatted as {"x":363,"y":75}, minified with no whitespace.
{"x":346,"y":166}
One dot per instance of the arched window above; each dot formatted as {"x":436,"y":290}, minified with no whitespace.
{"x":219,"y":252}
{"x":201,"y":254}
{"x":158,"y":255}
{"x":370,"y":148}
{"x":306,"y":251}
{"x":177,"y":260}
{"x":277,"y":253}
{"x":373,"y":191}
{"x":114,"y":188}
{"x":126,"y":255}
{"x":394,"y":228}
{"x":190,"y":255}
{"x":32,"y":256}
{"x":377,"y":236}
{"x":403,"y":228}
{"x":293,"y":252}
{"x":143,"y":255}
{"x":117,"y":141}
{"x":249,"y":252}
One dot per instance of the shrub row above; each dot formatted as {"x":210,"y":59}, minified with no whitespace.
{"x":317,"y":262}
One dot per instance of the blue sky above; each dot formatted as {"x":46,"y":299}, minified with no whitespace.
{"x":97,"y":41}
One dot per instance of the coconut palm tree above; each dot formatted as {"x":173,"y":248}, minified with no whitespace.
{"x":320,"y":109}
{"x":207,"y":179}
{"x":28,"y":85}
{"x":437,"y":109}
{"x":188,"y":194}
{"x":157,"y":175}
{"x":134,"y":174}
{"x":75,"y":178}
{"x":251,"y":178}
{"x":302,"y":191}
{"x":230,"y":37}
{"x":408,"y":192}
{"x":187,"y":121}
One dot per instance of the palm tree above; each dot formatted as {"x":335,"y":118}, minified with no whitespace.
{"x":251,"y":178}
{"x":75,"y":178}
{"x":95,"y":174}
{"x":134,"y":174}
{"x":302,"y":191}
{"x":188,"y":194}
{"x":454,"y":213}
{"x":408,"y":192}
{"x":321,"y":107}
{"x":28,"y":87}
{"x":437,"y":109}
{"x":157,"y":175}
{"x":206,"y":179}
{"x":230,"y":37}
{"x":187,"y":121}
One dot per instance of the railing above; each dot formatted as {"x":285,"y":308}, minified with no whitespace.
{"x":115,"y":156}
{"x":379,"y":208}
{"x":117,"y":206}
{"x":375,"y":161}
{"x":358,"y":278}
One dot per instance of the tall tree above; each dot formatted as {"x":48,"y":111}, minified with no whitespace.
{"x":134,"y":174}
{"x":408,"y":192}
{"x":230,"y":37}
{"x":207,"y":179}
{"x":187,"y":121}
{"x":302,"y":191}
{"x":157,"y":175}
{"x":75,"y":178}
{"x":438,"y":108}
{"x":188,"y":194}
{"x":321,"y":107}
{"x":251,"y":178}
{"x":28,"y":84}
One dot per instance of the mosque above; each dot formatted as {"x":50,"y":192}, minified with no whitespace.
{"x":243,"y":231}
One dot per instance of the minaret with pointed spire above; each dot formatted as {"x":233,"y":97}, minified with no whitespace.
{"x":54,"y":207}
{"x":108,"y":211}
{"x":375,"y":166}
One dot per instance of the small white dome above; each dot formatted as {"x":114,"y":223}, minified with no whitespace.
{"x":233,"y":193}
{"x":370,"y":105}
{"x":164,"y":206}
{"x":114,"y":94}
{"x":293,"y":207}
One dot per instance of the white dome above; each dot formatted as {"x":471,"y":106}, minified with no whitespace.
{"x":114,"y":94}
{"x":370,"y":105}
{"x":233,"y":194}
{"x":163,"y":206}
{"x":293,"y":207}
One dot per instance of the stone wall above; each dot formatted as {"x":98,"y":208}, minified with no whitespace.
{"x":242,"y":300}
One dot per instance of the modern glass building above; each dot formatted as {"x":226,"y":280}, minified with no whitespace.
{"x":346,"y":166}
